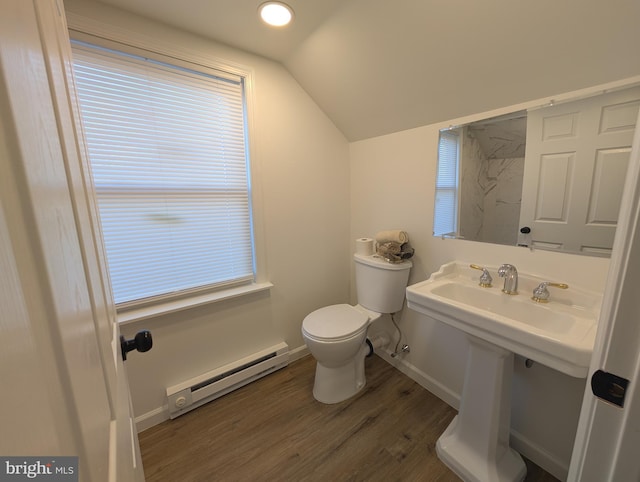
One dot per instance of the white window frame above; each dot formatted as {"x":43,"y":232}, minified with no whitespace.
{"x":90,"y":32}
{"x":456,"y":189}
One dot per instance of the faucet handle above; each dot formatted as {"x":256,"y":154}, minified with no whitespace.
{"x":541,"y":293}
{"x":485,"y":277}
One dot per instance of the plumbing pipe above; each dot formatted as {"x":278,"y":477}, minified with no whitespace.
{"x":376,"y":342}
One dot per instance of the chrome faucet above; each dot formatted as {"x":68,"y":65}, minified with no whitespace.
{"x":510,"y":275}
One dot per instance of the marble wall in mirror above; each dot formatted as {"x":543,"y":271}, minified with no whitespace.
{"x":549,"y":177}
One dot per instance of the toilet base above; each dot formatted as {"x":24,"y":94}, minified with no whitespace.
{"x":337,"y":384}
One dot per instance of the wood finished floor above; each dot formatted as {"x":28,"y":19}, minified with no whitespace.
{"x":274,"y":430}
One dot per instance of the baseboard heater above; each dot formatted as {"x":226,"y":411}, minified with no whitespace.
{"x":197,"y":391}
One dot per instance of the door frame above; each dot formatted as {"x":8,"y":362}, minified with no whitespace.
{"x":608,"y":436}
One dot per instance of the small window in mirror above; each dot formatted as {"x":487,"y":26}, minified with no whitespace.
{"x":445,"y":220}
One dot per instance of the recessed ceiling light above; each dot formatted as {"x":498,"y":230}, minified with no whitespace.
{"x":276,"y":14}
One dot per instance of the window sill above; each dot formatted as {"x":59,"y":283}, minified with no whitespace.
{"x":139,"y":314}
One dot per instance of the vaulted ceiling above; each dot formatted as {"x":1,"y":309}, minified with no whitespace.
{"x":382,"y":66}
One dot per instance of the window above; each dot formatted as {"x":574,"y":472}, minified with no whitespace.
{"x":445,"y":219}
{"x":167,"y":147}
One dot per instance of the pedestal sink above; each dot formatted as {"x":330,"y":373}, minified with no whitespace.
{"x":559,"y":334}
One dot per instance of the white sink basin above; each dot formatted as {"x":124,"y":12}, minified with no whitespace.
{"x":559,"y":334}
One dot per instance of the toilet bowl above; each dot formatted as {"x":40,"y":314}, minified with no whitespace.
{"x":336,"y":337}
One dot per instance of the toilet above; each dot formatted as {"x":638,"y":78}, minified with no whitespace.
{"x":336,"y":335}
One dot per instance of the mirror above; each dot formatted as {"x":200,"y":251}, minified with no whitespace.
{"x":547,"y":178}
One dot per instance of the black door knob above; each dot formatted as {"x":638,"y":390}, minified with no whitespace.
{"x":525,"y":230}
{"x":141,"y":342}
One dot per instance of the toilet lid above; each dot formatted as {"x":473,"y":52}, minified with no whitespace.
{"x":335,"y":321}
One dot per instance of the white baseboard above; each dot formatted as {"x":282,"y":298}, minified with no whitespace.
{"x":519,"y":442}
{"x":425,"y":381}
{"x":298,"y":353}
{"x":539,"y":456}
{"x":151,"y":418}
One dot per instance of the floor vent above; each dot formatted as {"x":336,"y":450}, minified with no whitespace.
{"x":211,"y":385}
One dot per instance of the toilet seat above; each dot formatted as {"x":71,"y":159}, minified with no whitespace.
{"x":335,"y":322}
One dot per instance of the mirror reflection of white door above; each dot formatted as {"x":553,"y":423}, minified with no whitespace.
{"x":64,"y":387}
{"x":576,"y":160}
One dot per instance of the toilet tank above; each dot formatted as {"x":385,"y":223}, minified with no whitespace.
{"x":381,"y":285}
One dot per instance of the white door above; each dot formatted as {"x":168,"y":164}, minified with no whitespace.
{"x":63,"y":382}
{"x":576,"y":160}
{"x":608,"y":438}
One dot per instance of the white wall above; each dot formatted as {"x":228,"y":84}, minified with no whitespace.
{"x":392,"y":186}
{"x":462,"y":57}
{"x":303,"y":173}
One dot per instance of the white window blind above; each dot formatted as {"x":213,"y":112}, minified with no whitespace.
{"x":167,"y":147}
{"x":445,"y":219}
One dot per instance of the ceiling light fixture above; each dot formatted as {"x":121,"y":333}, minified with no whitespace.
{"x":276,"y":14}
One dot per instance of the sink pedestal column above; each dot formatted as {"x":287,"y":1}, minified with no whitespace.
{"x":476,"y":443}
